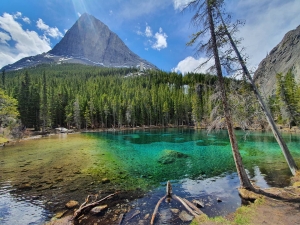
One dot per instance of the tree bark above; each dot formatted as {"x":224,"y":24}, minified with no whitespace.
{"x":244,"y":180}
{"x":292,"y":165}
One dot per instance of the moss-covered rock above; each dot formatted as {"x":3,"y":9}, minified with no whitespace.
{"x":170,"y":156}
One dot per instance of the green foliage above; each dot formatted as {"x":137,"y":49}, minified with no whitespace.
{"x":74,"y":95}
{"x":285,"y":105}
{"x":8,"y":109}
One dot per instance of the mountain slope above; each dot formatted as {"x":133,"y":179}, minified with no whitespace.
{"x":88,"y":41}
{"x":282,"y":58}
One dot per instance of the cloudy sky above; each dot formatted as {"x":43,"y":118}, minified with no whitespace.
{"x":156,"y":30}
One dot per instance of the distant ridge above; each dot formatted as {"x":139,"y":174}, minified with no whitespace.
{"x":88,"y":41}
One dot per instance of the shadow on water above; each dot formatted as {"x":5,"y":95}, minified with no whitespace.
{"x":43,"y":175}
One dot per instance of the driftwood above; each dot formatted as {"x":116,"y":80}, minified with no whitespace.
{"x":191,"y":205}
{"x":187,"y":204}
{"x":169,"y":189}
{"x":156,"y":209}
{"x":84,"y":205}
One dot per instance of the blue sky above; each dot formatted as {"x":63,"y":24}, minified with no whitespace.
{"x":156,"y":30}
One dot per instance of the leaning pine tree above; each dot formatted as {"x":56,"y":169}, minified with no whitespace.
{"x":206,"y":15}
{"x":292,"y":165}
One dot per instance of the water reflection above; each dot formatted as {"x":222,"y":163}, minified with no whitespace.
{"x":20,"y":210}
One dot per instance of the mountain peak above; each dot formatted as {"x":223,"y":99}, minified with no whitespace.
{"x":88,"y":41}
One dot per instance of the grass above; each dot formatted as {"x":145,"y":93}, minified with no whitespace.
{"x":242,"y":216}
{"x":3,"y":140}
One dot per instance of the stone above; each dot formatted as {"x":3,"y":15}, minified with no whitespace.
{"x":219,"y":200}
{"x":146,"y":216}
{"x":175,"y":211}
{"x":72,"y":204}
{"x":98,"y":209}
{"x":142,"y":222}
{"x":60,"y":214}
{"x":185,"y":217}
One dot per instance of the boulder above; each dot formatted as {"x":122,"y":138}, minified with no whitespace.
{"x":170,"y":156}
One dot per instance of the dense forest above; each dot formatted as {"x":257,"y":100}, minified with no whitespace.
{"x":79,"y":96}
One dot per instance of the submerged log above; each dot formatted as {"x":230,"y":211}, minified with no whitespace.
{"x":156,"y":209}
{"x":185,"y":205}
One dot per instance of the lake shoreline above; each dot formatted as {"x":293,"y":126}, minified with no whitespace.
{"x":35,"y":135}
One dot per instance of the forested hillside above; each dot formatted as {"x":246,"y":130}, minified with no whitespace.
{"x":73,"y":95}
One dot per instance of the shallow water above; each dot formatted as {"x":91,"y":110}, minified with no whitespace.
{"x":39,"y":176}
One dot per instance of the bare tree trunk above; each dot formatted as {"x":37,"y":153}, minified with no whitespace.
{"x":277,"y":135}
{"x":244,"y":180}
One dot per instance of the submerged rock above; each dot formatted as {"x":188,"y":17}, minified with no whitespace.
{"x":170,"y":156}
{"x":175,"y":211}
{"x":185,"y":217}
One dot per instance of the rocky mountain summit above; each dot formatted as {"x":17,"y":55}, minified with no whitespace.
{"x":88,"y":41}
{"x":284,"y":57}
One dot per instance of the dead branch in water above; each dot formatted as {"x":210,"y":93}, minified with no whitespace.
{"x":185,"y":205}
{"x":156,"y":209}
{"x":84,"y":205}
{"x":191,"y":205}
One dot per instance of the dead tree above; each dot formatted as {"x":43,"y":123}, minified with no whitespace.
{"x":292,"y":165}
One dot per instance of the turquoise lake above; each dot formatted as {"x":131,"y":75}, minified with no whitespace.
{"x":55,"y":166}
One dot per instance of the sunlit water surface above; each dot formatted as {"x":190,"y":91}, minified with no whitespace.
{"x":55,"y":166}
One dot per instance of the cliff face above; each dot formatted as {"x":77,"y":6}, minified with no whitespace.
{"x":284,"y":57}
{"x":88,"y":41}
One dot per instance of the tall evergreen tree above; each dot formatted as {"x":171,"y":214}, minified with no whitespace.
{"x":206,"y":14}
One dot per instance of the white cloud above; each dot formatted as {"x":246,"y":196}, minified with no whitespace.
{"x":161,"y":40}
{"x":4,"y":37}
{"x":65,"y":30}
{"x":180,"y":4}
{"x":78,"y":14}
{"x":51,"y":31}
{"x":111,"y":12}
{"x":148,"y":31}
{"x":25,"y":42}
{"x":17,"y":15}
{"x":190,"y":64}
{"x":26,"y":20}
{"x":266,"y":24}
